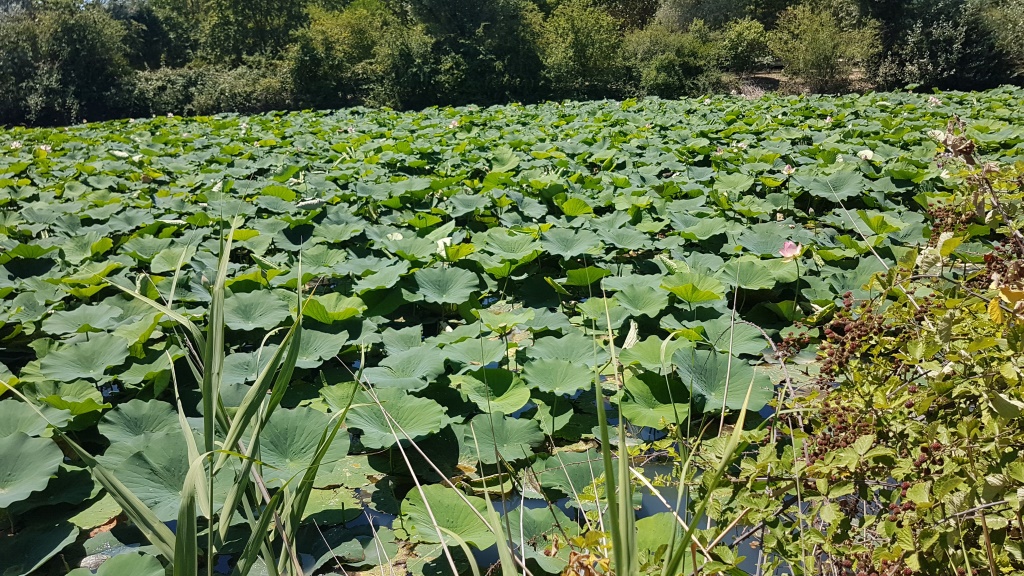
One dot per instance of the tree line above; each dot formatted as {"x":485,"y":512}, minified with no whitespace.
{"x":66,"y":61}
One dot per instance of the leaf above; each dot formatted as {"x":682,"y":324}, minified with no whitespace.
{"x":654,"y":401}
{"x":445,"y":285}
{"x":642,"y":300}
{"x":96,"y":318}
{"x":455,"y":513}
{"x":124,"y":564}
{"x":704,"y":374}
{"x":585,"y":276}
{"x":557,"y":376}
{"x":16,"y":416}
{"x":505,"y":160}
{"x":694,"y":287}
{"x":748,"y":272}
{"x":995,"y":311}
{"x":289,"y":440}
{"x":568,"y":243}
{"x":26,"y":465}
{"x":29,"y":549}
{"x":512,"y":438}
{"x":409,"y":415}
{"x":259,"y":310}
{"x":493,"y":389}
{"x":88,"y":359}
{"x":132,"y":421}
{"x":835,"y":187}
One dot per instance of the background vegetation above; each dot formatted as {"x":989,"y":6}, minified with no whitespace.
{"x":65,"y":62}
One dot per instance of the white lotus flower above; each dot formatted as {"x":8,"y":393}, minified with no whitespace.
{"x":394,"y":236}
{"x":45,"y":147}
{"x":865,"y":155}
{"x":16,"y":144}
{"x":442,"y":243}
{"x":937,"y":135}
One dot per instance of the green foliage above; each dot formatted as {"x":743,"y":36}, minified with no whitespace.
{"x":581,"y":50}
{"x":819,"y":49}
{"x":61,"y":63}
{"x":671,"y":64}
{"x":944,"y":43}
{"x":744,"y":45}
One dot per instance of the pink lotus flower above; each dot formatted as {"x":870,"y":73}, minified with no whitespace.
{"x":790,"y":251}
{"x":788,"y":170}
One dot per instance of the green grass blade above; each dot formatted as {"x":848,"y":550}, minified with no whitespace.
{"x":186,"y":549}
{"x":255,"y":546}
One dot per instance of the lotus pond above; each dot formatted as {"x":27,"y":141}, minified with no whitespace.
{"x":471,"y":281}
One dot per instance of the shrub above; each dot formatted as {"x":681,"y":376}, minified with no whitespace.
{"x":256,"y":86}
{"x":581,"y":51}
{"x":944,"y":44}
{"x":61,"y":65}
{"x":1005,"y":19}
{"x":815,"y":48}
{"x":168,"y":90}
{"x":744,"y":45}
{"x":331,"y":61}
{"x":679,"y":15}
{"x":672,"y":64}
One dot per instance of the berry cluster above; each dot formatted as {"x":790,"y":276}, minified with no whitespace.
{"x":929,"y":457}
{"x":846,"y":335}
{"x":843,"y":428}
{"x":947,"y":218}
{"x":897,"y":510}
{"x":866,"y":566}
{"x":792,"y":344}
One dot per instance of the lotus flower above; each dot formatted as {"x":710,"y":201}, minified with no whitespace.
{"x":866,"y":155}
{"x":790,"y":251}
{"x":788,"y":170}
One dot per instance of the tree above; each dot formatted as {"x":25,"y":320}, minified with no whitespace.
{"x":581,"y":51}
{"x":816,"y":48}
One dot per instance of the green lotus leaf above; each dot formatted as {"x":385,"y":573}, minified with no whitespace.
{"x":90,"y":318}
{"x":648,"y":353}
{"x":16,"y":416}
{"x":734,"y":182}
{"x":654,"y":400}
{"x":652,"y":537}
{"x":452,"y":511}
{"x":315,"y":347}
{"x":410,"y":417}
{"x":694,"y":287}
{"x":743,"y":338}
{"x":26,"y":465}
{"x":88,"y":359}
{"x":476,"y":352}
{"x":585,"y":276}
{"x":445,"y":285}
{"x":557,"y":376}
{"x":172,"y":258}
{"x":835,"y":187}
{"x":124,"y":564}
{"x":642,"y":300}
{"x":748,"y":272}
{"x":505,"y":160}
{"x":130,"y":422}
{"x":493,"y":389}
{"x":704,"y":372}
{"x":410,"y":369}
{"x":495,"y":436}
{"x":573,"y":347}
{"x":331,"y":308}
{"x":569,"y":473}
{"x":259,"y":310}
{"x":569,"y":244}
{"x":156,"y":474}
{"x":29,"y":549}
{"x":290,"y":439}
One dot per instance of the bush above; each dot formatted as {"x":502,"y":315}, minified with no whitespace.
{"x":672,"y":64}
{"x":581,"y":51}
{"x":815,"y":48}
{"x":61,"y":65}
{"x":255,"y":86}
{"x":1006,"y":20}
{"x":744,"y":45}
{"x":944,"y":44}
{"x":679,"y":15}
{"x":331,"y":63}
{"x":168,"y":90}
